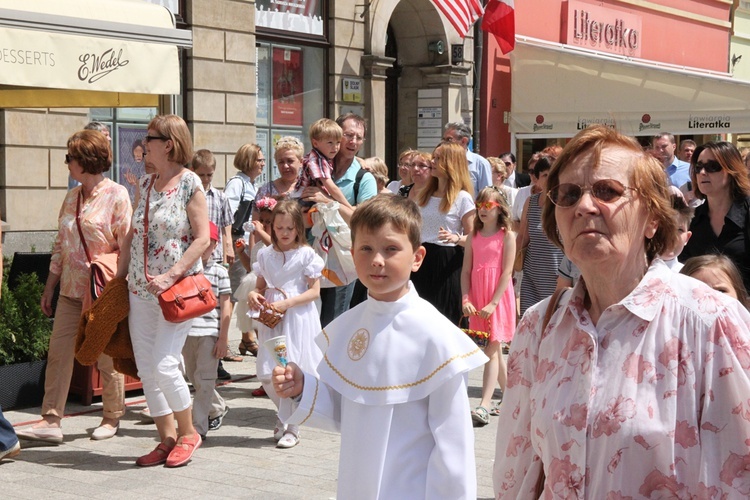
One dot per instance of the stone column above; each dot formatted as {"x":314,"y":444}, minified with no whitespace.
{"x":375,"y":68}
{"x":456,"y":94}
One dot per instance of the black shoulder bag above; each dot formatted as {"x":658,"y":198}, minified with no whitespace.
{"x":242,"y":214}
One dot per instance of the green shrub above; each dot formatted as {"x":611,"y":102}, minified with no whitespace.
{"x":24,"y":329}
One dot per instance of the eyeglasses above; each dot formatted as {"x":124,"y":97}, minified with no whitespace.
{"x":150,"y":138}
{"x":405,"y":165}
{"x":507,"y":163}
{"x":710,"y":166}
{"x":487,"y":205}
{"x":261,"y":160}
{"x":606,"y":190}
{"x":354,"y":137}
{"x":69,"y":158}
{"x":420,"y":166}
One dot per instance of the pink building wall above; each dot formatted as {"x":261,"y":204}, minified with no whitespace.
{"x":668,"y":38}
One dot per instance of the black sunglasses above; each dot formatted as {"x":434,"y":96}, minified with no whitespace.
{"x":68,"y":158}
{"x":710,"y":166}
{"x":150,"y":138}
{"x":606,"y":190}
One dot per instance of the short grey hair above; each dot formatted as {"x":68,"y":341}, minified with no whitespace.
{"x":96,"y":126}
{"x":462,"y":130}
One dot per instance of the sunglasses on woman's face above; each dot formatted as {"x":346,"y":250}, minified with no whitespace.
{"x":487,"y":205}
{"x":710,"y":166}
{"x":606,"y":190}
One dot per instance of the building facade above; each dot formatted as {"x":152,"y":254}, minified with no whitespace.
{"x":253,"y":71}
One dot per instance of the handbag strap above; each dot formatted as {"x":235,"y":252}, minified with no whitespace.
{"x":145,"y":230}
{"x":552,"y":306}
{"x":78,"y":225}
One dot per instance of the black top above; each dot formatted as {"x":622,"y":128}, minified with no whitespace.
{"x":731,"y":242}
{"x":522,"y":180}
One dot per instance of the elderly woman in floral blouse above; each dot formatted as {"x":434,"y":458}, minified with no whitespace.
{"x":639,"y":384}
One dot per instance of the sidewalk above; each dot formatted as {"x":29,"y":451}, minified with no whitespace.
{"x":239,"y":460}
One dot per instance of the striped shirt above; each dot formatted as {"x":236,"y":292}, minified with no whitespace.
{"x":208,"y":324}
{"x":220,"y":214}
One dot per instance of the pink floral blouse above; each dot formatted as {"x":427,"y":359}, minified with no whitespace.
{"x":105,"y":221}
{"x":652,"y":402}
{"x":169,"y":234}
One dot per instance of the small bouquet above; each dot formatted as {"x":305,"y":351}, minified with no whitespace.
{"x":480,"y":338}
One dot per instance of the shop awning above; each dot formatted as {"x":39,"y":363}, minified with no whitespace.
{"x":558,"y":90}
{"x":87,"y":53}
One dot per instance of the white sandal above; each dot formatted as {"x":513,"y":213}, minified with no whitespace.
{"x":289,"y":440}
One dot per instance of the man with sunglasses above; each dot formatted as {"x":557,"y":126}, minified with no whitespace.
{"x":664,"y":147}
{"x":514,"y":179}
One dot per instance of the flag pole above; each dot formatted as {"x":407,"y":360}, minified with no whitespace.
{"x":477,"y":84}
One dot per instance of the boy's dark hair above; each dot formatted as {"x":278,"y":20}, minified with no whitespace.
{"x":684,"y":211}
{"x":402,"y":213}
{"x":203,"y":158}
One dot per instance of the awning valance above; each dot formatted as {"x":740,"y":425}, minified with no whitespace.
{"x":559,"y":90}
{"x":87,"y":53}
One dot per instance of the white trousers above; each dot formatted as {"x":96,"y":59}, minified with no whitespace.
{"x":157,"y":345}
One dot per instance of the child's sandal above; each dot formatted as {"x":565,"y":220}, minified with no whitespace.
{"x":480,"y":416}
{"x":495,"y":410}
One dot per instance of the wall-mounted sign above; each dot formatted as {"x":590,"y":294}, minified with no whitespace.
{"x":351,"y":90}
{"x":288,"y":87}
{"x":457,"y":53}
{"x":601,"y":28}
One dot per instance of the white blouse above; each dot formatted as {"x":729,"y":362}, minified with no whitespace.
{"x":433,"y":219}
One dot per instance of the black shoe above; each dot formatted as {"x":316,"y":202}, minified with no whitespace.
{"x":222,"y":374}
{"x":214,"y":424}
{"x":203,"y":437}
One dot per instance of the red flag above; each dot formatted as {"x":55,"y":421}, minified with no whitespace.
{"x":500,"y":20}
{"x":462,"y":14}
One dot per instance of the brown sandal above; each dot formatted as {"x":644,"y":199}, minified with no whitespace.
{"x":248,"y":346}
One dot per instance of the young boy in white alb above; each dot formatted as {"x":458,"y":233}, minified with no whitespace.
{"x":394,"y":376}
{"x":207,"y":344}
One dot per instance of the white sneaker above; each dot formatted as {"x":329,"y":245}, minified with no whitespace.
{"x":289,"y":440}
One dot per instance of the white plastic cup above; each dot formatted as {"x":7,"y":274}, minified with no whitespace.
{"x":277,"y":347}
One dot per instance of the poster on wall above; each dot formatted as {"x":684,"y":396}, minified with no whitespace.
{"x":261,"y":139}
{"x":287,"y":86}
{"x":131,"y":154}
{"x":262,"y":80}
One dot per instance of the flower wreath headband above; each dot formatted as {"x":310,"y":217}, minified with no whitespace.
{"x":266,"y":203}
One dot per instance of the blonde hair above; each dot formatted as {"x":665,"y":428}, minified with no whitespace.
{"x":720,"y":263}
{"x":246,"y":157}
{"x":325,"y":128}
{"x":452,"y":162}
{"x":176,"y":130}
{"x":376,"y":166}
{"x":289,"y":143}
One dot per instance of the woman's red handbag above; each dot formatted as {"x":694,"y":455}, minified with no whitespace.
{"x":190,"y":297}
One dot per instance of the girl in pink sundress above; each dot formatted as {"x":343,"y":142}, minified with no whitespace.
{"x":487,"y":289}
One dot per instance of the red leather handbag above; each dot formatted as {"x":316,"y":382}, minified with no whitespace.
{"x":191,"y":296}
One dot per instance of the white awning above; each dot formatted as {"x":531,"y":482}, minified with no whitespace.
{"x":87,"y":53}
{"x":558,"y":90}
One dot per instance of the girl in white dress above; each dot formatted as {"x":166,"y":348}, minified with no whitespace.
{"x":291,"y":265}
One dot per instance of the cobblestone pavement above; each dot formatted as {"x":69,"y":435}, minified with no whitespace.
{"x":239,"y":460}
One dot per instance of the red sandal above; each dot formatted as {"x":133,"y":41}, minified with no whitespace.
{"x":157,"y":456}
{"x":183,"y":450}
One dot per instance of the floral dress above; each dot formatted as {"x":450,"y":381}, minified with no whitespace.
{"x":651,"y":402}
{"x":169,"y":232}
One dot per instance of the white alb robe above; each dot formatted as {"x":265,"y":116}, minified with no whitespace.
{"x":393,"y":381}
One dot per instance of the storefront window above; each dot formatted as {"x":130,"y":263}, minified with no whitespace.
{"x":297,"y":16}
{"x":290,"y":82}
{"x":128,"y":128}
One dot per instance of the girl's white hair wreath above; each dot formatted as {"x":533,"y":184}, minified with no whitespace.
{"x":266,"y":203}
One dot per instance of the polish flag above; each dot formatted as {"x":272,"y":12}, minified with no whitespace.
{"x":462,"y":14}
{"x":500,"y":20}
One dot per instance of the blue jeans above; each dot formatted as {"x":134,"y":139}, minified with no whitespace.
{"x":334,"y":302}
{"x":8,"y":437}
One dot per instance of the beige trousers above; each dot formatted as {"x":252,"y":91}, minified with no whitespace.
{"x":60,"y":361}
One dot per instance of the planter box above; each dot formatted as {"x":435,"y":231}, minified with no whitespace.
{"x":87,"y":383}
{"x":22,"y":384}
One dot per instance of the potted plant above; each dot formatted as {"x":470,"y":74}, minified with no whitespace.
{"x":24,"y":339}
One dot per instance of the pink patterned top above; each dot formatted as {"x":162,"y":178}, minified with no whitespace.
{"x":652,"y":402}
{"x":105,"y":221}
